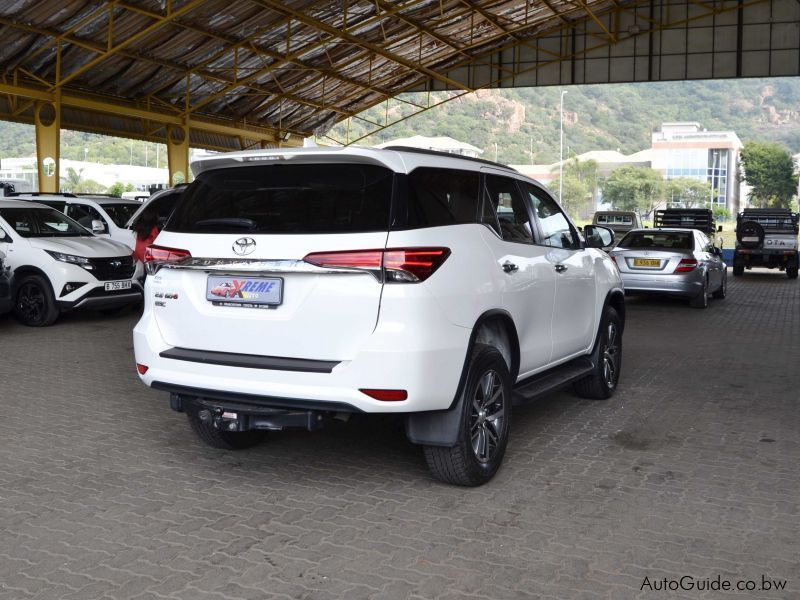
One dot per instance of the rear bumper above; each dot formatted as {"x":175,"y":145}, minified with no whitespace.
{"x":770,"y":259}
{"x":424,"y":360}
{"x":689,"y":284}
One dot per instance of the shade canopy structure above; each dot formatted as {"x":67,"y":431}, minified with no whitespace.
{"x":233,"y":74}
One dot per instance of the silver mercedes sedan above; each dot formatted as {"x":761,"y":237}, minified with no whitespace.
{"x":679,"y":262}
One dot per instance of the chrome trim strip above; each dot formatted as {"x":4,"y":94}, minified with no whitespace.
{"x":256,"y":266}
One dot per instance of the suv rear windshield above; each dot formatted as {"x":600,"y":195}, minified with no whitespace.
{"x":661,"y":240}
{"x":300,"y":198}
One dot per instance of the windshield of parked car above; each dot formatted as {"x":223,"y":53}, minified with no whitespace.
{"x":120,"y":213}
{"x":41,"y":222}
{"x":300,"y":198}
{"x":658,"y":240}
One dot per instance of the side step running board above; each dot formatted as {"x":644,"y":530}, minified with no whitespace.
{"x":543,"y":384}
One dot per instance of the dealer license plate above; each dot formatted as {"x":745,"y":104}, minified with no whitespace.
{"x":646,"y":262}
{"x":112,"y":286}
{"x":248,"y":292}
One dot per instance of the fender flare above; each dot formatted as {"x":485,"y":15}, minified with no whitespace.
{"x":442,"y":427}
{"x":23,"y":271}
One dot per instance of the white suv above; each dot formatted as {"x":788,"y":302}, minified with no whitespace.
{"x":111,"y":213}
{"x":293,"y":285}
{"x":59,"y":265}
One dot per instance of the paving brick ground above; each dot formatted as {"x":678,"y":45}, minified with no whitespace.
{"x":691,"y":469}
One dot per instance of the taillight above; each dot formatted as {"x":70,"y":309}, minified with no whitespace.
{"x":142,"y":369}
{"x":386,"y":395}
{"x":401,"y":265}
{"x":164,"y":254}
{"x":686,"y":265}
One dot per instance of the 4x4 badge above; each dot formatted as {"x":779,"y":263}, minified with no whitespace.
{"x":244,"y":246}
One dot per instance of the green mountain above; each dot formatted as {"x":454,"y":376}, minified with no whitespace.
{"x":596,"y":117}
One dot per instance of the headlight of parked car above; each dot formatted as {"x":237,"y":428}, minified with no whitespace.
{"x":69,"y":258}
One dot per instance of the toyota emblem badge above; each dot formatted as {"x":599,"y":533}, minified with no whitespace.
{"x":244,"y":246}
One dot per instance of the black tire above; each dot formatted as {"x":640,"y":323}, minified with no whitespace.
{"x":738,"y":269}
{"x":606,"y":358}
{"x":485,"y":423}
{"x":722,"y":291}
{"x":701,"y":300}
{"x":34,"y":303}
{"x":791,"y":272}
{"x":225,"y":440}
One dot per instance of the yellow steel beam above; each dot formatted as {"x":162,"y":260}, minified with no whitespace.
{"x":47,"y":121}
{"x":161,"y":22}
{"x":127,"y":110}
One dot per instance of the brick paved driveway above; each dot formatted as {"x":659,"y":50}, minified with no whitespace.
{"x":691,"y":469}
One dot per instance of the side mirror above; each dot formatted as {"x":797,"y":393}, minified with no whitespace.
{"x":98,"y":226}
{"x":598,"y":236}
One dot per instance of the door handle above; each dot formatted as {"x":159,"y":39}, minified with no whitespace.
{"x":561,"y":268}
{"x":510,"y":267}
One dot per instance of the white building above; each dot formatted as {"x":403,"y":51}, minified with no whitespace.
{"x":142,"y":178}
{"x":686,"y":150}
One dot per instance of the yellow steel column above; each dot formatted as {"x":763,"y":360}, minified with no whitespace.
{"x":178,"y":154}
{"x":48,"y":145}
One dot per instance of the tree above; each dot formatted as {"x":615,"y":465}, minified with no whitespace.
{"x":634,"y":188}
{"x":116,"y":189}
{"x":769,"y":171}
{"x":580,"y":187}
{"x":689,"y":192}
{"x":75,"y":183}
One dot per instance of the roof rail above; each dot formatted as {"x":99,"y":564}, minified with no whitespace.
{"x":448,"y":155}
{"x":687,"y":218}
{"x":37,"y":194}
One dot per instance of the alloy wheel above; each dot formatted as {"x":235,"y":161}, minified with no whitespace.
{"x":487,"y":416}
{"x":31,"y":302}
{"x":611,"y":355}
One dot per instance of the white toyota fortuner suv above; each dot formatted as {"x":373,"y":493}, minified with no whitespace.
{"x":59,"y":265}
{"x":290,"y":286}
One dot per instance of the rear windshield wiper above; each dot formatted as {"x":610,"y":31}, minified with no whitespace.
{"x":235,"y":223}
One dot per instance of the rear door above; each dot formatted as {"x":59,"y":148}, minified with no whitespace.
{"x":528,"y":280}
{"x":248,"y":290}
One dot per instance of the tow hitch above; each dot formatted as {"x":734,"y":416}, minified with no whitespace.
{"x":241,"y":418}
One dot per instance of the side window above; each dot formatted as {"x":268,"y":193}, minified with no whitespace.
{"x":555,"y":228}
{"x":442,"y":197}
{"x":504,"y":210}
{"x":704,"y":243}
{"x":85,"y":214}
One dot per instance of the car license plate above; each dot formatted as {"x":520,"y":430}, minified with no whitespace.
{"x":646,"y":262}
{"x":247,"y":292}
{"x":112,"y":286}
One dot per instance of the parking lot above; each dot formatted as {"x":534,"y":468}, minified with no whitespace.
{"x":690,"y":470}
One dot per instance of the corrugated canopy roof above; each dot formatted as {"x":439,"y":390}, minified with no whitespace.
{"x":265,"y":67}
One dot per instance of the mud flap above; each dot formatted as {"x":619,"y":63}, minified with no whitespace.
{"x":435,"y":427}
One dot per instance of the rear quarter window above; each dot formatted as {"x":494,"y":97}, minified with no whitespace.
{"x":438,"y":197}
{"x":277,"y":199}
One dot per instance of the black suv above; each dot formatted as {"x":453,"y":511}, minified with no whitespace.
{"x":766,"y":237}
